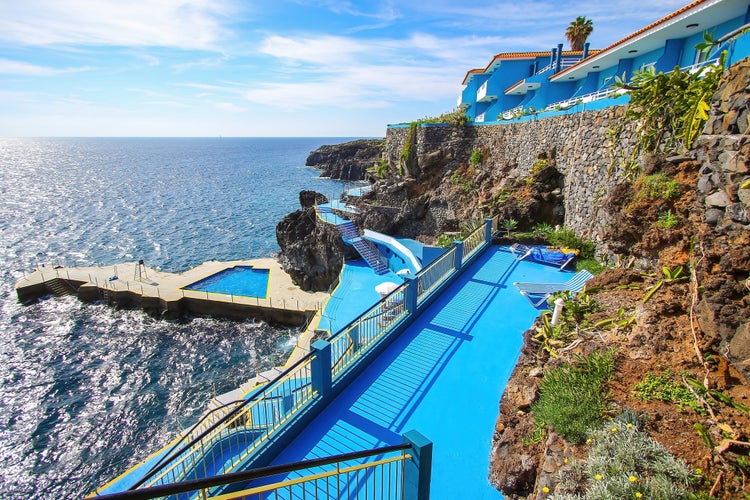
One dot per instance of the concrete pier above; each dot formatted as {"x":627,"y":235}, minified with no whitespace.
{"x":160,"y":293}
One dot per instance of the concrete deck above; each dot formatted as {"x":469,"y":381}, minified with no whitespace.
{"x":162,"y":293}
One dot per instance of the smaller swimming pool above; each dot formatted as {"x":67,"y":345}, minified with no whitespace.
{"x":245,"y":281}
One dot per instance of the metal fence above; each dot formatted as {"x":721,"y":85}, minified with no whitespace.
{"x":434,"y":274}
{"x":220,"y":447}
{"x":355,"y":340}
{"x":380,"y":473}
{"x":473,"y":242}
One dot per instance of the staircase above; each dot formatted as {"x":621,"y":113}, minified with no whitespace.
{"x":370,"y":254}
{"x":60,"y":287}
{"x":350,"y":235}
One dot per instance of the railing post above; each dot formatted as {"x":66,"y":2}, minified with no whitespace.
{"x":418,"y":470}
{"x":320,"y":368}
{"x":488,"y":229}
{"x":459,"y":256}
{"x":411,"y":293}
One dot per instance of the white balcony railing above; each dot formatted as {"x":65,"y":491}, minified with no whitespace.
{"x":593,"y":96}
{"x":545,"y":69}
{"x":511,"y":113}
{"x":693,"y":68}
{"x":482,"y":91}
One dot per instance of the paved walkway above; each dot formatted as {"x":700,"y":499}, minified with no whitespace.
{"x":443,"y":377}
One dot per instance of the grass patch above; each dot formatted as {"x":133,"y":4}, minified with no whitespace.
{"x":667,"y":220}
{"x":572,"y":399}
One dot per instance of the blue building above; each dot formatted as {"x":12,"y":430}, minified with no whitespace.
{"x":517,"y":84}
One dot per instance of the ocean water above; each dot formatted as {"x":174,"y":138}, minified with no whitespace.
{"x":88,"y":391}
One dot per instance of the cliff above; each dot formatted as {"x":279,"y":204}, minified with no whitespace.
{"x":348,"y":161}
{"x":674,"y":302}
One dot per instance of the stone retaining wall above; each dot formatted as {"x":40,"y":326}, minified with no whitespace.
{"x":580,"y":144}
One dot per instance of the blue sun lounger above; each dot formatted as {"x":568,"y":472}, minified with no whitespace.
{"x":537,"y":293}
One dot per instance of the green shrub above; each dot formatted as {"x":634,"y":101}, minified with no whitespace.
{"x":463,"y":184}
{"x":566,"y":238}
{"x":542,"y":230}
{"x":667,"y":220}
{"x":476,"y":158}
{"x":445,"y":241}
{"x":571,"y":398}
{"x":624,"y":462}
{"x":590,"y":264}
{"x":657,"y":187}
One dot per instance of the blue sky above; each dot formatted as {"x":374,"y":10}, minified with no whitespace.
{"x":265,"y":68}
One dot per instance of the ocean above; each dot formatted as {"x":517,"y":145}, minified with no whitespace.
{"x":87,"y":390}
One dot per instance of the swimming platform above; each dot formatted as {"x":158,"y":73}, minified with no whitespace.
{"x":164,"y":294}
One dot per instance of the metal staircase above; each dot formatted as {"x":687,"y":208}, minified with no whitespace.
{"x":351,"y":236}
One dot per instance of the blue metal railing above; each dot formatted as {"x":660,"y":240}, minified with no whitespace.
{"x":391,"y":472}
{"x":218,"y":446}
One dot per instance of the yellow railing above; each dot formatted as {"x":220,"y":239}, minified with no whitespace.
{"x":222,"y":448}
{"x":379,"y":479}
{"x":473,"y":242}
{"x":356,"y":339}
{"x":434,"y":274}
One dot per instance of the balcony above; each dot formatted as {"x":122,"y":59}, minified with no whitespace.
{"x":482,"y":95}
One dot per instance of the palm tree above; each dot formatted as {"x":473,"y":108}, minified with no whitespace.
{"x":578,"y":31}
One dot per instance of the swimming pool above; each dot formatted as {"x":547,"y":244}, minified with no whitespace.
{"x":246,"y":281}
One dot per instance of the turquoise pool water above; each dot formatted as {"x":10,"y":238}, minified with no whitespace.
{"x":245,"y":281}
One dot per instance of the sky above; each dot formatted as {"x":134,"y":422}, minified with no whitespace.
{"x":265,"y":68}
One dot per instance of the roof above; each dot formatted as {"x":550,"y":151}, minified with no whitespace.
{"x":700,"y":12}
{"x":506,"y":56}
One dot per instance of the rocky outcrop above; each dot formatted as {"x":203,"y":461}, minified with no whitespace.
{"x":563,"y":167}
{"x":348,"y":161}
{"x":312,"y":251}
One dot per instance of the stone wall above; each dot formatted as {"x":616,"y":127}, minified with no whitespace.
{"x":580,"y":145}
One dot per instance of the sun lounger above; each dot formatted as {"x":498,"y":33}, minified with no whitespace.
{"x":546,"y":255}
{"x":537,"y":293}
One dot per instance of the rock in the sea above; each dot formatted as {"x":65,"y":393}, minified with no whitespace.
{"x":312,"y":251}
{"x":348,"y":161}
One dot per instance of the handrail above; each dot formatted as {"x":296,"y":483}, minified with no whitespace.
{"x":473,"y":242}
{"x":390,"y":311}
{"x":434,"y":274}
{"x":248,"y":475}
{"x":164,"y":460}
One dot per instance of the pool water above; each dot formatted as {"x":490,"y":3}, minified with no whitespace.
{"x":245,"y":281}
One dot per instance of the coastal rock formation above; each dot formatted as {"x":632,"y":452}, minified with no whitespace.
{"x":348,"y":161}
{"x":312,"y":252}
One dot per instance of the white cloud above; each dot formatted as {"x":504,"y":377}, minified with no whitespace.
{"x":326,"y":49}
{"x":345,"y":72}
{"x":188,"y":24}
{"x":8,"y":67}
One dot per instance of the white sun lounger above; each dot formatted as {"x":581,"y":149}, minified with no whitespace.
{"x":537,"y":293}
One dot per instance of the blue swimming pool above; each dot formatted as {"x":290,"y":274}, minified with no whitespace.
{"x":246,"y":281}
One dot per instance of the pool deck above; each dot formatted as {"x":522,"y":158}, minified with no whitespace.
{"x":443,"y":376}
{"x":163,"y":293}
